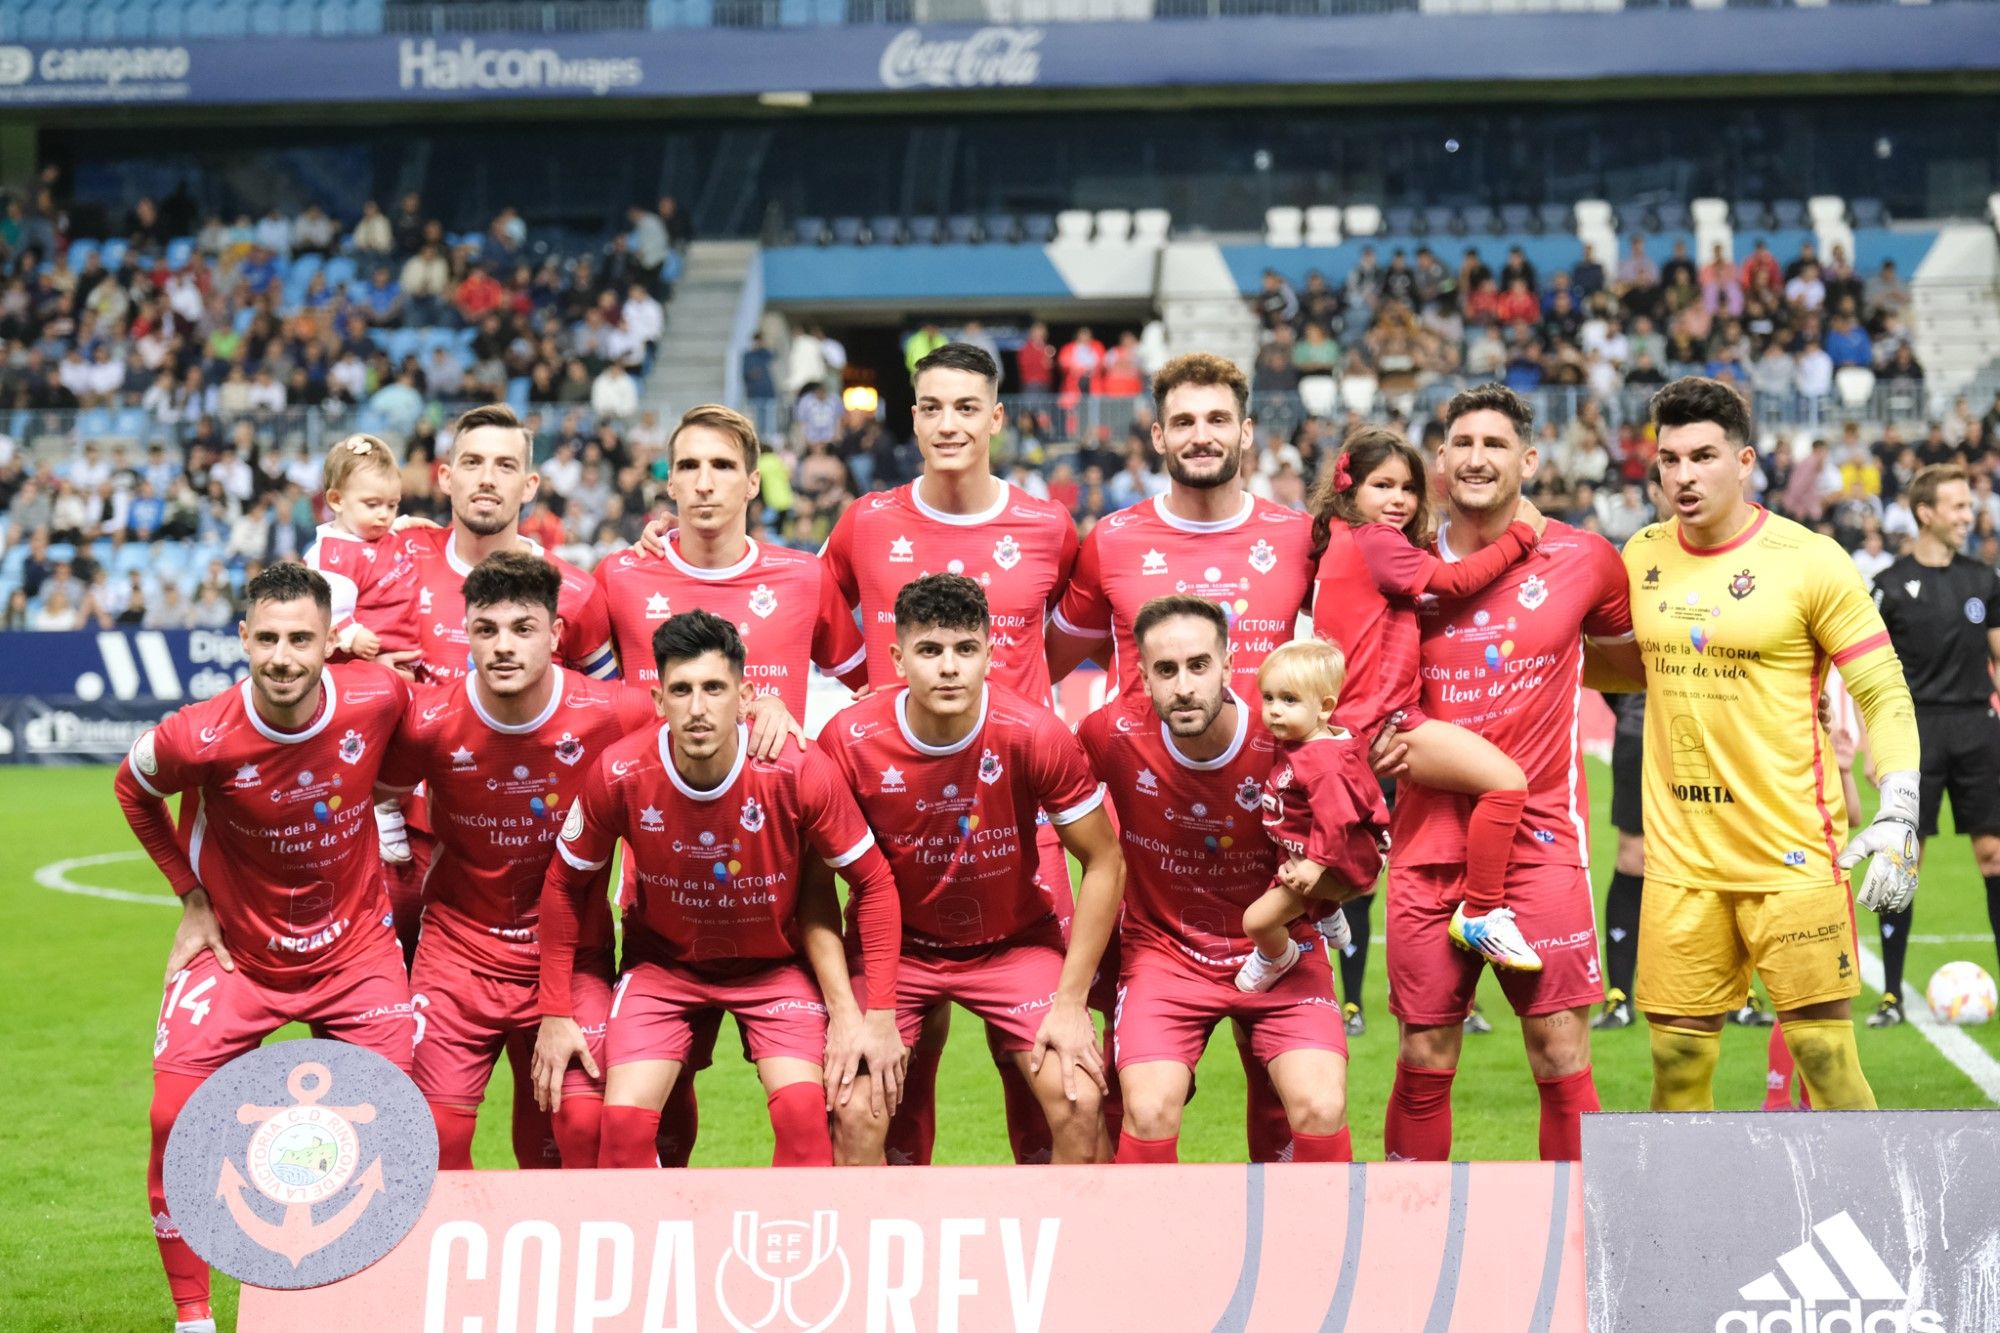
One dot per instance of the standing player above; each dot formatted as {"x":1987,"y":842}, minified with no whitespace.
{"x":958,"y":518}
{"x":1939,"y":608}
{"x":1187,"y":763}
{"x":1206,"y":537}
{"x":282,"y":913}
{"x":502,"y":754}
{"x":718,"y":837}
{"x":950,"y":772}
{"x":1739,"y":613}
{"x":1506,"y":662}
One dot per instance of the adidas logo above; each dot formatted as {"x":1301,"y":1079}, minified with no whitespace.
{"x":1870,"y":1300}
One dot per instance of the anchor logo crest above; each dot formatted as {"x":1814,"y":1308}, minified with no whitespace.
{"x":301,"y":1155}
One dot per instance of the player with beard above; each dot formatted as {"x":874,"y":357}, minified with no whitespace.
{"x":950,"y":773}
{"x":1187,"y":763}
{"x":487,"y":477}
{"x":1506,"y":662}
{"x":1206,"y":537}
{"x":283,"y":917}
{"x":502,"y":754}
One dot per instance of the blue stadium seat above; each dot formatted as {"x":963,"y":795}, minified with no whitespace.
{"x":1673,"y":216}
{"x":14,"y":562}
{"x":365,"y":16}
{"x":998,"y":228}
{"x":67,"y":24}
{"x":1036,"y":228}
{"x":808,"y":231}
{"x":846,"y":231}
{"x":114,"y":250}
{"x":168,"y":19}
{"x":924,"y":231}
{"x":885,"y":229}
{"x":1519,"y":218}
{"x":301,"y":18}
{"x":133,"y":423}
{"x":1557,"y":219}
{"x":660,"y":14}
{"x":94,"y":423}
{"x":517,"y":394}
{"x":1637,"y":215}
{"x":100,"y":20}
{"x":131,"y":556}
{"x":1477,"y":219}
{"x":80,"y":251}
{"x":1788,"y":214}
{"x":462,"y":340}
{"x":398,"y":343}
{"x":38,"y":23}
{"x":1866,"y":212}
{"x":1747,"y":215}
{"x":244,"y":319}
{"x":61,"y":551}
{"x":101,"y":550}
{"x":961,"y":229}
{"x":135,"y":20}
{"x":1399,"y":220}
{"x":340,"y":270}
{"x":1440,"y":220}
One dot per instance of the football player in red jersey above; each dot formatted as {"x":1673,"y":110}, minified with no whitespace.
{"x":502,"y":753}
{"x":283,"y":917}
{"x":719,"y":839}
{"x":1506,"y":662}
{"x":1187,"y":763}
{"x":950,"y":773}
{"x":1206,"y":537}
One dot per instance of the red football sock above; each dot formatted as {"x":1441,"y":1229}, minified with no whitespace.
{"x":1264,"y":1123}
{"x":680,"y":1123}
{"x":625,"y":1137}
{"x":1335,"y":1147}
{"x":535,"y":1147}
{"x":1418,"y":1125}
{"x":1132,"y":1150}
{"x":1564,"y":1100}
{"x":577,"y":1128}
{"x":187,"y":1275}
{"x":798,"y":1126}
{"x":455,"y":1126}
{"x":1027,"y":1125}
{"x":1781,"y":1075}
{"x":1489,"y":841}
{"x":914,"y":1129}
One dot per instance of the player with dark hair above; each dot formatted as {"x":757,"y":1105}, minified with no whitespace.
{"x":1739,"y":613}
{"x":718,"y":837}
{"x":1940,"y":609}
{"x":1187,"y":763}
{"x":283,"y":917}
{"x":502,"y":753}
{"x":950,"y":772}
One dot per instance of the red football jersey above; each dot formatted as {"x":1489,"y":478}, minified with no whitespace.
{"x":1508,"y":663}
{"x":1196,"y":853}
{"x":374,"y":585}
{"x":1324,"y":804}
{"x":1256,"y":566}
{"x":717,"y":871}
{"x":1022,"y":550}
{"x":498,"y":794}
{"x":783,"y":603}
{"x":586,"y":636}
{"x":952,"y":820}
{"x":283,"y":834}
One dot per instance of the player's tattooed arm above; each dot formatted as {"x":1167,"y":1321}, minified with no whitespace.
{"x":771,"y":725}
{"x":198,"y":931}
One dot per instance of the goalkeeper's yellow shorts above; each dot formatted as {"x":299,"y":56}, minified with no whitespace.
{"x":1699,"y":947}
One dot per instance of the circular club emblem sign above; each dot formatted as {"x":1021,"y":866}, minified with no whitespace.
{"x":300,"y":1163}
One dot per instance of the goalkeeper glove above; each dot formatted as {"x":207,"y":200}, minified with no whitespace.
{"x":392,"y":836}
{"x":1892,"y":841}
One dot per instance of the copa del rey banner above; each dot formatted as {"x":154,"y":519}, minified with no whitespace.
{"x":1370,"y":1247}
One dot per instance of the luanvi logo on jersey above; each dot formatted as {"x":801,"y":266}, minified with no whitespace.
{"x":1805,"y":1293}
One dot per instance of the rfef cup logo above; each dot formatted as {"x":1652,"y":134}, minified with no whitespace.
{"x":300,"y":1163}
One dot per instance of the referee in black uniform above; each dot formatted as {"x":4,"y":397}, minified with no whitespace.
{"x":1943,"y":615}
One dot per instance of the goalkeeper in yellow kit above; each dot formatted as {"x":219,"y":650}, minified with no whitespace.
{"x":1738,"y":614}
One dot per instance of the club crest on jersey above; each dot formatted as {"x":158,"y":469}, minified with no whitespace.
{"x":1250,"y":796}
{"x":1742,"y":585}
{"x":569,"y":749}
{"x":1534,"y":591}
{"x":246,"y":778}
{"x":902,"y":551}
{"x":763,"y":601}
{"x":1263,"y":557}
{"x":352,"y":747}
{"x":892,"y":780}
{"x":1146,"y":783}
{"x":989,"y":767}
{"x":752,"y":817}
{"x":658,"y":607}
{"x":651,"y":820}
{"x":462,"y":760}
{"x":1152,"y":563}
{"x":1007,"y":552}
{"x":1975,"y":610}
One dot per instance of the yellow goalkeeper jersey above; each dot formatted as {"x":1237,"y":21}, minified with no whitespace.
{"x":1741,"y":790}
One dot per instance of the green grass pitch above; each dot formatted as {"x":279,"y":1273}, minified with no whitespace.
{"x":83,"y":983}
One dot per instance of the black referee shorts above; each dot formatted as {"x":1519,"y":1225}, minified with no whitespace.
{"x":1961,"y":755}
{"x":1628,"y":783}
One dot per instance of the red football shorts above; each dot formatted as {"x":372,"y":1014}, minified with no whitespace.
{"x":209,"y":1017}
{"x":1432,"y":980}
{"x":590,"y":1006}
{"x":1011,"y":984}
{"x":465,"y":1018}
{"x":1166,"y":1011}
{"x":654,"y":1005}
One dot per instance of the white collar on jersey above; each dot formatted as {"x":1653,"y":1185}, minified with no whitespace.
{"x":674,"y":557}
{"x":1172,"y":520}
{"x":903,"y":725}
{"x":326,"y":532}
{"x":271,"y":733}
{"x":523,"y":728}
{"x":666,"y":743}
{"x":1222,"y":760}
{"x":987,"y":515}
{"x":460,"y":568}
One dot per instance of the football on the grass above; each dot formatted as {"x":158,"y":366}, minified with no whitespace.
{"x":1962,"y":993}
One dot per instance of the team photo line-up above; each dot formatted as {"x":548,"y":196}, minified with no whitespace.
{"x":445,"y":728}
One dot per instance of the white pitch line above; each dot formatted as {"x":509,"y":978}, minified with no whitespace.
{"x":1965,"y":1054}
{"x":55,"y":876}
{"x":1951,"y":939}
